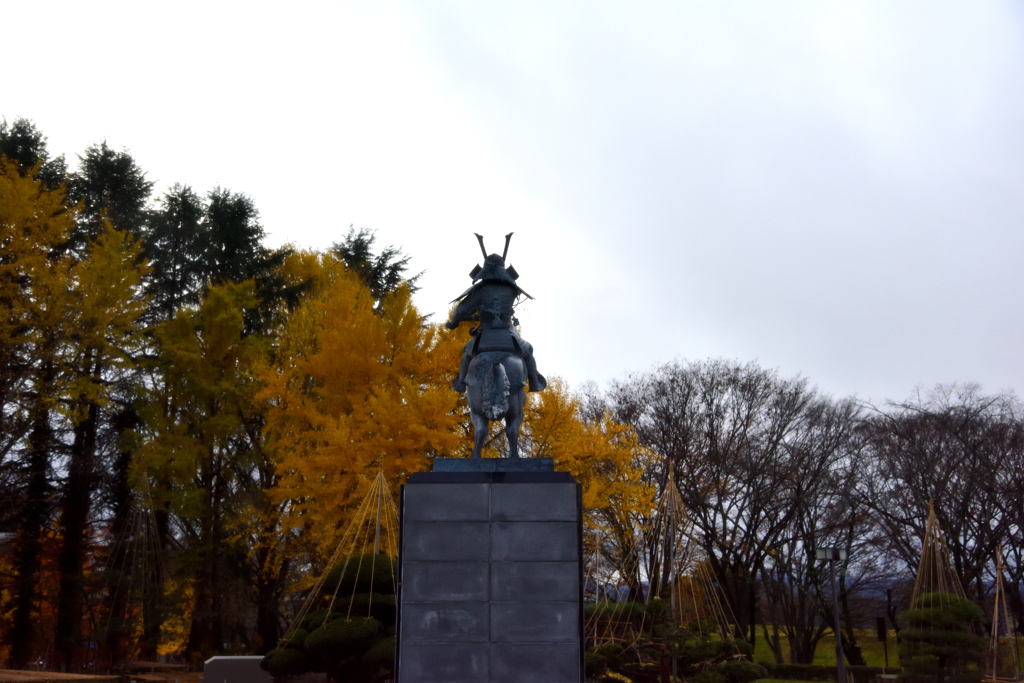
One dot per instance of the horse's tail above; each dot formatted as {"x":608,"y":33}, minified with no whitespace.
{"x":495,"y":393}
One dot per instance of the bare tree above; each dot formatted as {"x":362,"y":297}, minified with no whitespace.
{"x":1010,"y":480}
{"x":731,"y":434}
{"x":797,"y":590}
{"x":958,"y":450}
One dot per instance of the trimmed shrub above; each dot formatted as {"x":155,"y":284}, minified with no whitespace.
{"x":316,"y":619}
{"x":349,"y":650}
{"x":706,"y":676}
{"x":381,"y":607}
{"x":740,"y":671}
{"x":818,"y":672}
{"x":382,"y":654}
{"x":941,"y":643}
{"x":362,"y":571}
{"x":342,"y":638}
{"x":594,"y":665}
{"x":295,"y":639}
{"x":284,"y":661}
{"x":800,"y":672}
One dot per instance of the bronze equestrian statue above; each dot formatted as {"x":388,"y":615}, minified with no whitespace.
{"x":496,"y":362}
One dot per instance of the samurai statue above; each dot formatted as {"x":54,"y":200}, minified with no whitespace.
{"x":491,"y":302}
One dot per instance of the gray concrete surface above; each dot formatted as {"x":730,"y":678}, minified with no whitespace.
{"x":235,"y":670}
{"x":490,"y":580}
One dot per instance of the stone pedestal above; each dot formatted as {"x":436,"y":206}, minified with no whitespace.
{"x":490,"y":580}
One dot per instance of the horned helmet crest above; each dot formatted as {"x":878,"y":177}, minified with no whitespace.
{"x":494,"y":268}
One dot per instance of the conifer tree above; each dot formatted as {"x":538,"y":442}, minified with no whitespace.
{"x":110,"y":186}
{"x":176,"y":245}
{"x":235,"y":250}
{"x":941,"y":643}
{"x":382,"y":273}
{"x":22,"y":142}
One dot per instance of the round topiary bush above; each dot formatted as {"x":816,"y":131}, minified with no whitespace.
{"x":364,"y":573}
{"x":342,"y":638}
{"x":595,"y":665}
{"x":295,"y":639}
{"x":381,"y":654}
{"x":285,"y":661}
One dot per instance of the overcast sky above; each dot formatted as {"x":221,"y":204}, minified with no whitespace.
{"x":828,"y":189}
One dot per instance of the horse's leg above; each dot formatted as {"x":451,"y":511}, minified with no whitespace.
{"x":481,"y":425}
{"x":512,"y":433}
{"x":514,"y":420}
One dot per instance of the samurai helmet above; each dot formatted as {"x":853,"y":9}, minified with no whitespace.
{"x":494,"y":267}
{"x":494,"y":270}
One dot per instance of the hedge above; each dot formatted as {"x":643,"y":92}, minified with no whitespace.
{"x":818,"y":672}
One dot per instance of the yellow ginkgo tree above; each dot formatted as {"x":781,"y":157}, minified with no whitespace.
{"x":354,"y":386}
{"x":104,"y":342}
{"x":35,"y":287}
{"x":201,"y":439}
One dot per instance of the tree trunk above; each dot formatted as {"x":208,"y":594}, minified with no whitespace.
{"x":268,"y":625}
{"x":850,"y":647}
{"x":152,"y":588}
{"x":268,"y":596}
{"x":773,"y":640}
{"x":74,"y":527}
{"x":203,"y":636}
{"x":33,"y":521}
{"x":752,"y":597}
{"x":200,"y":634}
{"x":117,"y":599}
{"x":665,"y":669}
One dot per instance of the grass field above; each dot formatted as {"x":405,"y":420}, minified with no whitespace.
{"x":871,"y":649}
{"x":825,"y":655}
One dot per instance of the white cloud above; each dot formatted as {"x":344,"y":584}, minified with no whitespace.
{"x":831,"y":189}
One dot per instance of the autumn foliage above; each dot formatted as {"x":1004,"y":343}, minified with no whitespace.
{"x":189,"y":419}
{"x":353,"y":385}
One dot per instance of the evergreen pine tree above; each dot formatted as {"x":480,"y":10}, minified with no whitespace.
{"x":941,"y":643}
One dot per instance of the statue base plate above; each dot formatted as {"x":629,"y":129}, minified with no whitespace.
{"x":494,"y":465}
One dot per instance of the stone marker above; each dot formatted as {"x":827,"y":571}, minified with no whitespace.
{"x":490,"y":577}
{"x":234,"y":670}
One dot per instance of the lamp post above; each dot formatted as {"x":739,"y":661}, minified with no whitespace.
{"x":833,"y":555}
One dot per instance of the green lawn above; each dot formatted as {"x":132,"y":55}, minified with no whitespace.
{"x":871,"y":649}
{"x":825,"y":655}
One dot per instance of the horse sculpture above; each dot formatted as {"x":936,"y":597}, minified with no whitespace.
{"x":497,"y":364}
{"x":496,"y":391}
